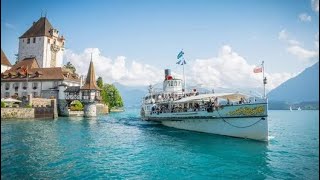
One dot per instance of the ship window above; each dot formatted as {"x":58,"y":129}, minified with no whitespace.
{"x":34,"y":40}
{"x":175,"y":83}
{"x":28,"y":41}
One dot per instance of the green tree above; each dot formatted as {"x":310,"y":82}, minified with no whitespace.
{"x":76,"y":106}
{"x":111,"y":96}
{"x":100,"y":82}
{"x":70,"y":66}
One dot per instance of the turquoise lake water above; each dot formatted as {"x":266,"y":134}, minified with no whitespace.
{"x":121,"y":146}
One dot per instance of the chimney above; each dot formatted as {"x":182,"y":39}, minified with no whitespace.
{"x":167,"y":72}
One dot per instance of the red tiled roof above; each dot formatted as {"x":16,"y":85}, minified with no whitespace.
{"x":40,"y":28}
{"x":91,"y":79}
{"x":16,"y":73}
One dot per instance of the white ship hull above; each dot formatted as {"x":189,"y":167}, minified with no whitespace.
{"x":252,"y":128}
{"x":244,"y":121}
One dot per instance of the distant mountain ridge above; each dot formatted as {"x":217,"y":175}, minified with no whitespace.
{"x":131,"y":96}
{"x":302,"y":88}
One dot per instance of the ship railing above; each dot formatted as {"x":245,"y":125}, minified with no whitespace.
{"x":210,"y":107}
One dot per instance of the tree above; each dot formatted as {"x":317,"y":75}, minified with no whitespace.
{"x":100,"y":82}
{"x":111,"y":96}
{"x":70,"y":66}
{"x":76,"y":106}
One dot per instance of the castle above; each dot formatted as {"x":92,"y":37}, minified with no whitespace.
{"x":38,"y":70}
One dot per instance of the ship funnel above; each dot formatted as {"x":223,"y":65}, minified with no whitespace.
{"x":167,"y":72}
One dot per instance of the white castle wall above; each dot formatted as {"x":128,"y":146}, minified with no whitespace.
{"x":41,"y":50}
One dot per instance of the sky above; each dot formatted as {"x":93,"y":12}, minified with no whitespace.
{"x":133,"y":41}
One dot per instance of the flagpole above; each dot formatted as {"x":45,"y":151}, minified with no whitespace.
{"x":263,"y":81}
{"x":184,"y":80}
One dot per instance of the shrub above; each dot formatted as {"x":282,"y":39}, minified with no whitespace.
{"x":75,"y":108}
{"x":3,"y":104}
{"x":28,"y":106}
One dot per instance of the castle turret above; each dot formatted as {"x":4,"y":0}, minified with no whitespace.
{"x":90,"y":93}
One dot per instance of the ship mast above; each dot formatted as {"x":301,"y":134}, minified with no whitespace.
{"x":264,"y":79}
{"x":184,"y":79}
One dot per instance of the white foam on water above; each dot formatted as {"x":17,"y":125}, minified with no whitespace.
{"x":271,"y":137}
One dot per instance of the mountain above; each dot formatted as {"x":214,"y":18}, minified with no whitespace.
{"x":131,"y":96}
{"x":302,"y":88}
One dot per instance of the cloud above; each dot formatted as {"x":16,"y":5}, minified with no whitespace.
{"x":228,"y":70}
{"x":315,"y":5}
{"x":304,"y":17}
{"x":302,"y":53}
{"x":130,"y":73}
{"x":295,"y":48}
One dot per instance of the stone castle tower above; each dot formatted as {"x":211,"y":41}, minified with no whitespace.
{"x":43,"y":42}
{"x":90,"y":93}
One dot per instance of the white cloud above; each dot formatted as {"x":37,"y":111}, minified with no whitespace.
{"x":295,"y":47}
{"x":228,"y":70}
{"x":315,"y":5}
{"x":118,"y":70}
{"x":304,"y":17}
{"x":302,"y":53}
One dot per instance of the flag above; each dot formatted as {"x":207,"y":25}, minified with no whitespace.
{"x":182,"y":61}
{"x":180,"y":54}
{"x":257,"y":70}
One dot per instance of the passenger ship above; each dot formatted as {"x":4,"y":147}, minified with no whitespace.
{"x":231,"y":114}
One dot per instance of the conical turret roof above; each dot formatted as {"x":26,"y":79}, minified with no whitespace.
{"x":91,"y":79}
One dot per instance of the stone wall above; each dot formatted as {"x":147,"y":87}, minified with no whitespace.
{"x":40,"y":102}
{"x":76,"y":113}
{"x":102,"y":109}
{"x":90,"y":110}
{"x":17,"y":113}
{"x":44,"y":103}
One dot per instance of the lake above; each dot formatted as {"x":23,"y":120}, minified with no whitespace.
{"x":121,"y":146}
